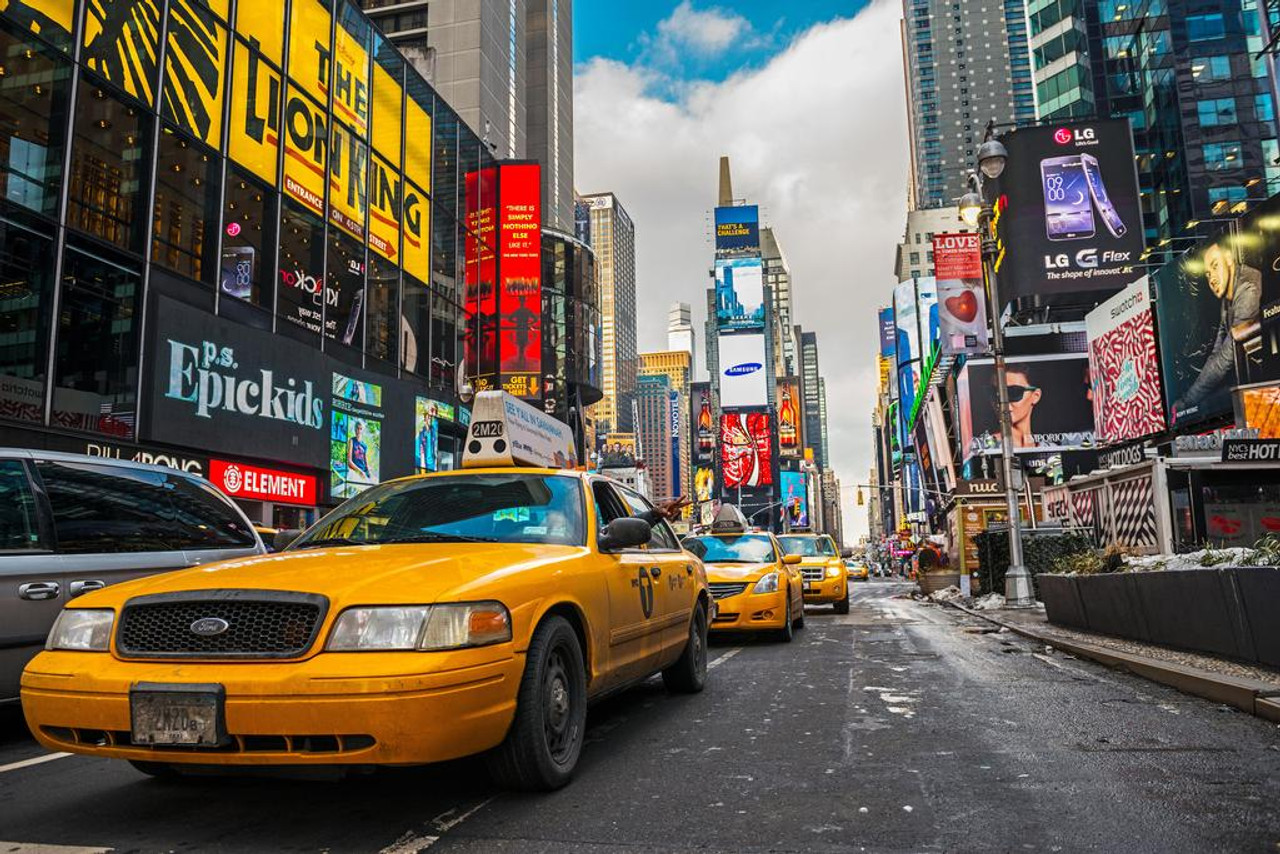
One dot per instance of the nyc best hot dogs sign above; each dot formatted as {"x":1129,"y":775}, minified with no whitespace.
{"x":356,"y":150}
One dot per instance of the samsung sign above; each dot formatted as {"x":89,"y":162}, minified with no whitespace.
{"x":743,"y":369}
{"x":743,"y":380}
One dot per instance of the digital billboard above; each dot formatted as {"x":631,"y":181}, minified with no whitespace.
{"x":427,"y":415}
{"x":1260,"y":410}
{"x":740,"y":293}
{"x":916,"y":318}
{"x":520,"y":285}
{"x":743,"y":378}
{"x":888,"y":332}
{"x":962,"y":307}
{"x":355,"y":436}
{"x":704,"y":422}
{"x":795,"y":499}
{"x":1048,"y":402}
{"x":704,"y":483}
{"x":1124,"y":366}
{"x":1068,"y":213}
{"x":746,"y":457}
{"x":790,"y":419}
{"x":480,"y":299}
{"x":737,"y":231}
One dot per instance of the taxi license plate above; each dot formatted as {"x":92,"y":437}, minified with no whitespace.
{"x":187,"y":714}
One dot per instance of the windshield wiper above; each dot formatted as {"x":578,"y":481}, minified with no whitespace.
{"x":431,"y":537}
{"x":332,"y":541}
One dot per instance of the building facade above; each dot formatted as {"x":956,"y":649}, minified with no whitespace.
{"x":613,"y":236}
{"x":654,"y":403}
{"x":680,"y":334}
{"x":209,"y":268}
{"x":811,"y":380}
{"x":777,"y":278}
{"x":914,"y":257}
{"x":677,"y":367}
{"x":966,"y":64}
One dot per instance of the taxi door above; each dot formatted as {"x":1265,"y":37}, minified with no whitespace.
{"x":674,"y":586}
{"x":632,"y":578}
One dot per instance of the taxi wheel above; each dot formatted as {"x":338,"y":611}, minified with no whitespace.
{"x":689,"y":674}
{"x":799,"y":624}
{"x":842,"y":607}
{"x":788,"y":630}
{"x":545,"y":740}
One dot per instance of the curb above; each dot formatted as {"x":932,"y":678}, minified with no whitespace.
{"x":1261,"y":699}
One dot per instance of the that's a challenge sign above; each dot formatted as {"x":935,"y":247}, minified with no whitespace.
{"x":1251,"y":451}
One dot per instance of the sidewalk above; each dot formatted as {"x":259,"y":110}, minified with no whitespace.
{"x":1250,"y":688}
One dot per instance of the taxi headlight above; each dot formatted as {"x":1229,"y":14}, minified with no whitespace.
{"x":833,"y":572}
{"x":420,"y":627}
{"x":767,"y":584}
{"x":82,"y":629}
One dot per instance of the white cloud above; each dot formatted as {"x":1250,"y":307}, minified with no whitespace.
{"x":817,"y":137}
{"x":695,"y":34}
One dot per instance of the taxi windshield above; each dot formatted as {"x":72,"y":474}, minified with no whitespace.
{"x":487,"y":508}
{"x":745,"y":548}
{"x":808,"y":546}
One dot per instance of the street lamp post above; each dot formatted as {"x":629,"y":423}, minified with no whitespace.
{"x":977,"y":211}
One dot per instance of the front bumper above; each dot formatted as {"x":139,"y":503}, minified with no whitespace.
{"x":826,"y":591}
{"x":326,"y":710}
{"x":751,"y":612}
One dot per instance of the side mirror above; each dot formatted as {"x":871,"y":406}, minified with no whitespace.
{"x":791,"y":560}
{"x":285,"y":538}
{"x":846,"y":553}
{"x":625,"y":533}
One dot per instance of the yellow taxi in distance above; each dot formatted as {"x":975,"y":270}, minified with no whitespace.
{"x":755,"y":586}
{"x":429,"y":618}
{"x":825,"y":575}
{"x":858,"y":571}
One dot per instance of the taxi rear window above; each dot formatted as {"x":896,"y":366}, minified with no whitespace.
{"x":492,"y":508}
{"x":744,"y":548}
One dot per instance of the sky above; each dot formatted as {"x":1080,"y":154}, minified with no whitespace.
{"x":807,"y":101}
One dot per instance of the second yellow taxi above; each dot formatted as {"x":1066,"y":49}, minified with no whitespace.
{"x":826,"y":578}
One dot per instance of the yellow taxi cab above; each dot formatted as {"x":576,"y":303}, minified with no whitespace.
{"x":756,"y":587}
{"x":857,"y":571}
{"x":429,"y":618}
{"x":825,"y":574}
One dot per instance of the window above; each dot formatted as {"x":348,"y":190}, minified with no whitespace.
{"x":1217,"y":111}
{"x":383,"y":328}
{"x":19,"y":528}
{"x":248,"y":238}
{"x":1221,"y":156}
{"x":1205,"y":27}
{"x":415,"y":327}
{"x":662,"y":538}
{"x":301,"y":271}
{"x":96,"y":369}
{"x":34,"y":95}
{"x":1264,"y":108}
{"x":26,"y":270}
{"x":344,"y":291}
{"x":186,"y":210}
{"x":101,"y":508}
{"x":108,"y":169}
{"x":1207,"y":69}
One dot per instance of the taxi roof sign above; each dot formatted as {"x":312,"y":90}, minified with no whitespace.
{"x":729,"y":520}
{"x":506,"y":431}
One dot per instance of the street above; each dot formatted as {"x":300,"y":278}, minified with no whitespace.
{"x":900,"y":727}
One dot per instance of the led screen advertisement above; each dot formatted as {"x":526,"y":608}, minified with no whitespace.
{"x":888,"y":332}
{"x":1048,"y":401}
{"x":1124,"y":366}
{"x":480,"y":339}
{"x":740,"y":293}
{"x":962,"y":311}
{"x":743,"y":379}
{"x":795,"y":499}
{"x":704,"y":483}
{"x":427,"y":415}
{"x":916,"y":318}
{"x":746,"y":457}
{"x":790,"y":420}
{"x":520,"y":278}
{"x":737,"y":231}
{"x":704,"y":422}
{"x":1069,"y":218}
{"x":355,"y":437}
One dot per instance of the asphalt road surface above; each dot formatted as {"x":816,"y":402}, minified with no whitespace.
{"x":900,"y":727}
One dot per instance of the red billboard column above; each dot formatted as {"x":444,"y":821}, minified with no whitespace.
{"x":520,"y":279}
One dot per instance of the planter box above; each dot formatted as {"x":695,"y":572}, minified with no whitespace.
{"x":1061,"y":597}
{"x":1191,"y":609}
{"x":1111,"y":606}
{"x":931,"y":581}
{"x":1259,"y":590}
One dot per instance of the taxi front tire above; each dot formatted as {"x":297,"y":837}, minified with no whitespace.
{"x":689,"y":674}
{"x":842,"y":607}
{"x":542,"y":747}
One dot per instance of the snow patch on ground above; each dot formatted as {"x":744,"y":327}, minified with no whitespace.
{"x":990,"y":602}
{"x":946,"y":594}
{"x":1190,"y":560}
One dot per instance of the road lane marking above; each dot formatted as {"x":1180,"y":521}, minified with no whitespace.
{"x":722,"y":659}
{"x":27,"y":763}
{"x":442,"y":824}
{"x":37,"y":848}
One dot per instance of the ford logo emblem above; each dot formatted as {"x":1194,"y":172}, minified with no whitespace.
{"x":209,"y":626}
{"x":743,"y":369}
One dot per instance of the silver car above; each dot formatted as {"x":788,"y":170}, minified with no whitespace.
{"x":70,"y":524}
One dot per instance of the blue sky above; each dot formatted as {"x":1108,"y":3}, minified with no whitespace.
{"x":690,"y":47}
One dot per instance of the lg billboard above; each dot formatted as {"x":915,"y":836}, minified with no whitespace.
{"x":1068,"y":213}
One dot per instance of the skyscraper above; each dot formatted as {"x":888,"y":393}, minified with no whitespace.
{"x":814,"y":422}
{"x":777,"y":277}
{"x":677,"y":367}
{"x":613,"y":235}
{"x":680,"y":334}
{"x":653,"y":403}
{"x":506,"y":66}
{"x":967,"y":63}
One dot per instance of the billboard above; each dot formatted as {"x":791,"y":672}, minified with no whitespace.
{"x":1260,"y":408}
{"x":915,"y":306}
{"x":1048,"y":401}
{"x":962,"y":307}
{"x":743,"y":378}
{"x":795,"y":499}
{"x":704,"y":483}
{"x":737,"y":231}
{"x":790,"y":420}
{"x":887,"y":332}
{"x":520,"y":283}
{"x":746,"y":457}
{"x":704,"y":423}
{"x":1068,"y":214}
{"x":1124,"y":366}
{"x":355,"y":436}
{"x":740,"y":293}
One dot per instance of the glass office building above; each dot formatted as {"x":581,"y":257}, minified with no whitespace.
{"x":239,"y":233}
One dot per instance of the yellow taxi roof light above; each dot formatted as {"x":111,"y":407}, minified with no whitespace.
{"x":506,"y":431}
{"x":729,"y":520}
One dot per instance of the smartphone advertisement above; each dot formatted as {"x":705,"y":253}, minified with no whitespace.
{"x":1069,"y":217}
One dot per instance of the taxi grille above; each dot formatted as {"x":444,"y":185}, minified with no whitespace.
{"x":720,"y":590}
{"x":259,"y":624}
{"x":813,"y":573}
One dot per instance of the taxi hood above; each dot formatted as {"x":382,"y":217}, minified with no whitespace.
{"x":737,"y":571}
{"x":410,"y":573}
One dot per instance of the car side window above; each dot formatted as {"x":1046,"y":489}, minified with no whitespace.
{"x":203,"y":519}
{"x":608,"y":505}
{"x":19,"y":523}
{"x":662,"y":537}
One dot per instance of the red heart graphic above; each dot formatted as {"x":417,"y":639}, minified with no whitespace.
{"x":964,"y":307}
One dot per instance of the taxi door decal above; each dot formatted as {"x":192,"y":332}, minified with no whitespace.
{"x":644,"y":583}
